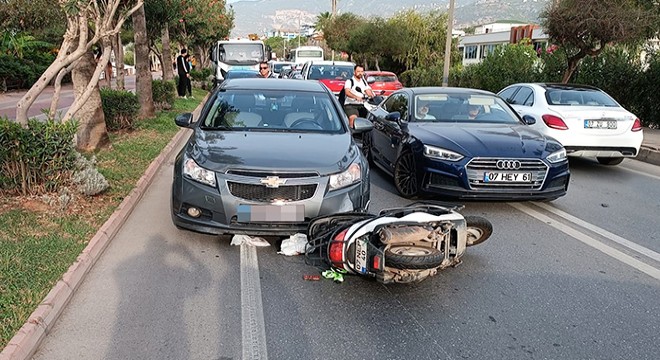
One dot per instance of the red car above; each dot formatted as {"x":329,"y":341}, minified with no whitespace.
{"x":332,"y":74}
{"x":383,"y":81}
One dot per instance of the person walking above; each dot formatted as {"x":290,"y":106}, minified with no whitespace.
{"x":183,"y":70}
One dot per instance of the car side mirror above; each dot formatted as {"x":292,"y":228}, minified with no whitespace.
{"x":361,"y":125}
{"x":529,"y":120}
{"x":371,"y":80}
{"x":393,"y":116}
{"x":184,"y":120}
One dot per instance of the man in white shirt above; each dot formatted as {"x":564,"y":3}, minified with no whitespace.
{"x":357,"y":91}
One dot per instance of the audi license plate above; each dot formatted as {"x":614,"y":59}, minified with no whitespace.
{"x":507,"y":177}
{"x":270,"y":213}
{"x":361,"y":256}
{"x":600,"y":124}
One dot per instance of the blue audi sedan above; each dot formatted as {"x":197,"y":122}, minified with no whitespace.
{"x":463,"y":143}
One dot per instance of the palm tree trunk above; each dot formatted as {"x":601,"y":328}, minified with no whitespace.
{"x":92,"y":133}
{"x":143,"y":77}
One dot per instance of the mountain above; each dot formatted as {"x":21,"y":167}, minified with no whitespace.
{"x":260,"y":16}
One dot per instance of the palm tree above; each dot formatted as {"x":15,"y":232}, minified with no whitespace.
{"x":322,"y":21}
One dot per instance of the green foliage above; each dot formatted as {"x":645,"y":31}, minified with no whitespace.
{"x":120,"y":108}
{"x":648,"y":99}
{"x":36,"y":159}
{"x":552,"y":66}
{"x":203,"y":22}
{"x":200,"y":75}
{"x":423,"y":76}
{"x":129,"y":58}
{"x":337,"y":33}
{"x":507,"y":65}
{"x":18,"y":73}
{"x":163,"y":93}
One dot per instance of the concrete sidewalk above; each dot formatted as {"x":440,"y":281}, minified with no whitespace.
{"x":650,"y":150}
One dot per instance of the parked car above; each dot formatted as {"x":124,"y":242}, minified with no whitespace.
{"x":383,"y":82}
{"x":463,"y":143}
{"x":586,"y":120}
{"x":332,"y":74}
{"x":265,"y":157}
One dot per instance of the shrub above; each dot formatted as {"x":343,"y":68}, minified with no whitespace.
{"x":120,"y":108}
{"x":37,"y":159}
{"x":129,"y":58}
{"x":648,"y":98}
{"x":507,"y":65}
{"x":87,"y":178}
{"x":164,"y":93}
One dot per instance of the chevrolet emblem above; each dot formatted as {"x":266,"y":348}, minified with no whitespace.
{"x":273,"y":181}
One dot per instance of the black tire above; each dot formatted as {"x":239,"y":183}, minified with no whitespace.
{"x":405,"y":176}
{"x":412,"y":257}
{"x":478,"y":230}
{"x":610,"y":160}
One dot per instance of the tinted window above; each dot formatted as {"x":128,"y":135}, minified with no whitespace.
{"x":241,"y":74}
{"x":273,"y":111}
{"x":459,"y":107}
{"x":578,"y":97}
{"x":334,"y":72}
{"x":397,"y":102}
{"x":508,"y":93}
{"x":524,"y":96}
{"x":384,"y":78}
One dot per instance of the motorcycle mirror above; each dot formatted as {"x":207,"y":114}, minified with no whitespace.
{"x":184,"y":120}
{"x":371,"y":79}
{"x":361,"y":125}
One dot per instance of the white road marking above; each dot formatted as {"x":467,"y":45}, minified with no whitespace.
{"x":252,"y":315}
{"x":616,"y":254}
{"x":616,"y":238}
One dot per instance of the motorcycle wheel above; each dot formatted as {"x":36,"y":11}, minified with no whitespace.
{"x":478,"y":230}
{"x":412,"y":257}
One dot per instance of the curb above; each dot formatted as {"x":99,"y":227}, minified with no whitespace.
{"x":26,"y":341}
{"x":649,"y":155}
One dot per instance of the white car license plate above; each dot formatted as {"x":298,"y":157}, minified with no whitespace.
{"x":600,"y":124}
{"x":361,"y":256}
{"x":507,"y":177}
{"x":270,"y":213}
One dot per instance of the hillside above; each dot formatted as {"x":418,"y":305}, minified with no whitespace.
{"x":260,"y":16}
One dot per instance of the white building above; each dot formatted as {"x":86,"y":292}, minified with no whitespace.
{"x":487,"y":37}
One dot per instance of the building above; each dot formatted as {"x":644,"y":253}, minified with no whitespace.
{"x":487,"y":37}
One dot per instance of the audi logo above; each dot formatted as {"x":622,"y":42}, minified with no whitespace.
{"x":508,"y":164}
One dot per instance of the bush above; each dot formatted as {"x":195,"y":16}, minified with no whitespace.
{"x":164,"y":93}
{"x":431,"y":76}
{"x":648,"y":98}
{"x":129,"y":58}
{"x":507,"y":65}
{"x":37,"y":159}
{"x":120,"y":108}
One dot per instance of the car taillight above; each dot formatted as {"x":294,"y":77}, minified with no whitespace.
{"x":637,"y":125}
{"x":336,"y":252}
{"x":554,"y":122}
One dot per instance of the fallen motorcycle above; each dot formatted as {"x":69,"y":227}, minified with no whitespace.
{"x":400,"y":245}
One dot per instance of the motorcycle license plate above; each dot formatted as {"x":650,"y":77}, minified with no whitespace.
{"x":361,"y":256}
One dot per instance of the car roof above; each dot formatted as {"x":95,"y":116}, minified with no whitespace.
{"x":447,"y":90}
{"x":272,"y":84}
{"x":560,"y":86}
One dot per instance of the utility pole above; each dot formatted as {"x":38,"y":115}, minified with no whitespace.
{"x":450,"y":29}
{"x":334,"y":13}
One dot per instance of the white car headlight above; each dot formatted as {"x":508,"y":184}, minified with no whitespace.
{"x":197,"y":173}
{"x":349,"y":177}
{"x":557,"y":156}
{"x":441,"y":154}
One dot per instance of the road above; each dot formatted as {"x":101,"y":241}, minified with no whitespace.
{"x":575,"y":278}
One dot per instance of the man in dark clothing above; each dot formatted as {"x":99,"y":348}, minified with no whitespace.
{"x":183,"y":70}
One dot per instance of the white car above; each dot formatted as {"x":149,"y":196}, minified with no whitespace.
{"x":584,"y":119}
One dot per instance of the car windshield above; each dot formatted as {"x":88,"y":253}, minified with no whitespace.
{"x":246,"y":54}
{"x":273,"y":110}
{"x":241,"y":74}
{"x":461,"y":107}
{"x":330,"y":72}
{"x":278,"y":67}
{"x":578,"y":97}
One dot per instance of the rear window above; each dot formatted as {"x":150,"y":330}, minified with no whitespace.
{"x":384,"y":78}
{"x":331,"y":72}
{"x":578,"y":97}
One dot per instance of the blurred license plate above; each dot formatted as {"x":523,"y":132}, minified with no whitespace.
{"x":507,"y":177}
{"x":600,"y":124}
{"x":271,"y":213}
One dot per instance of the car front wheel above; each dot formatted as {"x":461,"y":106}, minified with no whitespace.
{"x":405,"y":175}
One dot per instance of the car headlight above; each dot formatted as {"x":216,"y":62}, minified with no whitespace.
{"x":557,"y":156}
{"x":197,"y":173}
{"x":349,"y":177}
{"x":441,"y":154}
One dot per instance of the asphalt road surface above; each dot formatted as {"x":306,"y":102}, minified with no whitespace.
{"x":577,"y":278}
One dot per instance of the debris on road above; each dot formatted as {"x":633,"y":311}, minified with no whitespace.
{"x":294,"y":245}
{"x":248,"y":240}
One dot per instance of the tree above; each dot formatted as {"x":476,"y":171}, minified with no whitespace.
{"x":337,"y":33}
{"x":43,"y":19}
{"x":425,"y":43}
{"x":585,"y":27}
{"x":161,"y":15}
{"x":367,"y":40}
{"x":143,"y":87}
{"x":88,"y":23}
{"x":322,"y":21}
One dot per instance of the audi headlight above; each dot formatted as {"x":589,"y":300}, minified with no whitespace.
{"x":441,"y":154}
{"x":349,"y":177}
{"x":197,"y":173}
{"x":557,"y":156}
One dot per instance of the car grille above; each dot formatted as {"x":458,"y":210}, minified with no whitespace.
{"x":261,"y":193}
{"x":477,"y":166}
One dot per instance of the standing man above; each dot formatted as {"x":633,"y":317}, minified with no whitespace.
{"x":264,"y":71}
{"x":183,"y":69}
{"x":357,"y":91}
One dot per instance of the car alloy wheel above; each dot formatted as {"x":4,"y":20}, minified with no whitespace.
{"x":405,"y":175}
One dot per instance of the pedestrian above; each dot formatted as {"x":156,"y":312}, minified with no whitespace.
{"x":183,"y":70}
{"x":264,"y":70}
{"x":188,"y":58}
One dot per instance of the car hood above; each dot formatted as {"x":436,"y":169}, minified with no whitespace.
{"x":486,"y":140}
{"x":272,"y":151}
